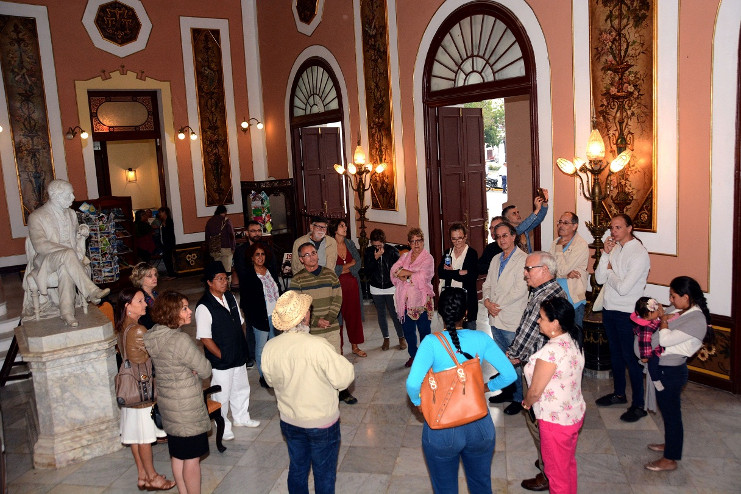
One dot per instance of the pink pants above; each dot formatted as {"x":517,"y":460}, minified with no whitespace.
{"x":558,"y":448}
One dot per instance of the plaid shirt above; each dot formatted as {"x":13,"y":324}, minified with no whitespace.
{"x":528,"y":339}
{"x":644,"y":334}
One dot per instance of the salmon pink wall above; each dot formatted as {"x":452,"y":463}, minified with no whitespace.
{"x":76,"y":58}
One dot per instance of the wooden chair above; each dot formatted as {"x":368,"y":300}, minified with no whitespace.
{"x":214,"y":413}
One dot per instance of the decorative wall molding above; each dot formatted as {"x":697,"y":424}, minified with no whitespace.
{"x":113,"y":81}
{"x":524,"y":14}
{"x":306,"y":23}
{"x":254,"y":87}
{"x":10,"y":178}
{"x":186,"y":23}
{"x":127,"y":48}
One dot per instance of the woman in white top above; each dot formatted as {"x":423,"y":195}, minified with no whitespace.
{"x":623,"y":270}
{"x":459,"y":268}
{"x":553,"y":376}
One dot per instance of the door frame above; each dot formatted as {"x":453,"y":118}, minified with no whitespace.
{"x":464,"y":94}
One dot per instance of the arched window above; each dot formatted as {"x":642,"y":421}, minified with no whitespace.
{"x":314,"y":95}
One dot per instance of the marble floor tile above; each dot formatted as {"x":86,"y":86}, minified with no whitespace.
{"x":361,"y":483}
{"x":633,"y":466}
{"x":603,"y":467}
{"x":265,"y":455}
{"x":369,"y":460}
{"x":410,"y":484}
{"x":412,"y":436}
{"x":733,"y":441}
{"x":76,"y":489}
{"x":213,"y":475}
{"x":16,"y":488}
{"x":611,"y":418}
{"x":378,"y":435}
{"x":594,"y":441}
{"x":248,"y":479}
{"x":411,"y":461}
{"x":712,"y":474}
{"x":633,"y":442}
{"x":387,"y":414}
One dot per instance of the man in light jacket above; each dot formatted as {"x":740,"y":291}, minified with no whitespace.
{"x":505,"y":298}
{"x":572,"y":258}
{"x":306,"y":373}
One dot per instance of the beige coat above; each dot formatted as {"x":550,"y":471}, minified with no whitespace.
{"x":179,"y":390}
{"x":575,"y":258}
{"x":509,"y":290}
{"x":331,"y":250}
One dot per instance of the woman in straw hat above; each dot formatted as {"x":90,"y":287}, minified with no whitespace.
{"x":307,"y":373}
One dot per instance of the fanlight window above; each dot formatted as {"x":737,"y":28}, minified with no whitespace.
{"x":479,"y":48}
{"x":315,"y":92}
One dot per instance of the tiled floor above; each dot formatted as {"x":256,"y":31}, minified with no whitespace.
{"x":381,"y":449}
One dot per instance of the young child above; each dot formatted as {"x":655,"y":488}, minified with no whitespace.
{"x":647,"y":317}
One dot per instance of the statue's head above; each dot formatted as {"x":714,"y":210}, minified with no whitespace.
{"x":61,"y":193}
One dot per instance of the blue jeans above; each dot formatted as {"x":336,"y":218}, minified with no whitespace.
{"x":673,"y":378}
{"x":383,"y":302}
{"x":579,"y":315}
{"x":315,"y":449}
{"x":445,"y":448}
{"x":504,"y":339}
{"x":262,"y":337}
{"x":410,"y":326}
{"x":619,"y":329}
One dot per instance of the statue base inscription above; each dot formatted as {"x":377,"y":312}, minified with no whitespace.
{"x":73,"y":371}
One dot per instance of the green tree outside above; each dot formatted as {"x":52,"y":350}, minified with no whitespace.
{"x":493,"y":111}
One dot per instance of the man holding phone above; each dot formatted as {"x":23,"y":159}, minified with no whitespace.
{"x":524,"y":227}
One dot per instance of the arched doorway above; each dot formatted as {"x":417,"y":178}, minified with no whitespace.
{"x":479,"y":52}
{"x":317,"y":133}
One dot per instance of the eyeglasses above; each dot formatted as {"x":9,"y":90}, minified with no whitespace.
{"x":530,"y":268}
{"x":559,"y":222}
{"x":319,"y":227}
{"x":308,"y":254}
{"x":503,"y":235}
{"x":455,"y":239}
{"x":416,"y":241}
{"x":220,"y":278}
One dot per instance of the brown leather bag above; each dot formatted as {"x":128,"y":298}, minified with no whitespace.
{"x":454,"y":396}
{"x":134,"y":382}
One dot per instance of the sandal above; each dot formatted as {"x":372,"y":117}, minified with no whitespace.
{"x":360,"y":353}
{"x":160,"y":483}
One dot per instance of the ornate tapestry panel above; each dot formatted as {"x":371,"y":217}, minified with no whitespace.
{"x":714,"y":360}
{"x":622,"y":68}
{"x":128,"y":115}
{"x":24,"y":90}
{"x":209,"y":75}
{"x":478,"y":49}
{"x":378,"y":102}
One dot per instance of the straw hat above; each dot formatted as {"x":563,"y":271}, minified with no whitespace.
{"x":290,"y":310}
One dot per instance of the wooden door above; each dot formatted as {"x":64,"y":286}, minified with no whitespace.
{"x":462,"y":173}
{"x":321,"y":189}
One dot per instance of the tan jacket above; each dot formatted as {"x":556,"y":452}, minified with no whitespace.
{"x":306,"y":373}
{"x":575,"y":258}
{"x":179,"y":391}
{"x":331,"y":252}
{"x":135,"y":350}
{"x":509,"y":291}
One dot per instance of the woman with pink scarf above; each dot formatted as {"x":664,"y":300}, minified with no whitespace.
{"x":412,"y":276}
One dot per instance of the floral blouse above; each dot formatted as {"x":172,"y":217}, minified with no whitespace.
{"x":561,"y":402}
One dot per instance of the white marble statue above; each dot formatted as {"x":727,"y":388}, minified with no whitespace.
{"x":57,"y":267}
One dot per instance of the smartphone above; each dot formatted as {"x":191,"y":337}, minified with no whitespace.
{"x":539,"y":192}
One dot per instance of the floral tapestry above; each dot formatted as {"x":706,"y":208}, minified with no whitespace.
{"x":24,"y":91}
{"x":622,"y":70}
{"x":217,"y":172}
{"x":378,"y":102}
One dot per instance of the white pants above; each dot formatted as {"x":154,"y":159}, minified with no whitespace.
{"x":235,"y":391}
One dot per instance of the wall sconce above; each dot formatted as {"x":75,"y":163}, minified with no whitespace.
{"x":187,"y":128}
{"x":72,"y":132}
{"x":131,"y":176}
{"x":245,"y":125}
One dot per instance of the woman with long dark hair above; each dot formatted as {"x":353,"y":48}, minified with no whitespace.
{"x":137,"y":428}
{"x":347,"y":270}
{"x":553,"y":376}
{"x":681,"y":338}
{"x":473,"y":442}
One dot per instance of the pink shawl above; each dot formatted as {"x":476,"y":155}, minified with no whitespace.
{"x":416,"y":292}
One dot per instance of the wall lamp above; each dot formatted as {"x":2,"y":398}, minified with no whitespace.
{"x":187,"y":128}
{"x":72,"y":132}
{"x":131,"y":176}
{"x":245,"y":125}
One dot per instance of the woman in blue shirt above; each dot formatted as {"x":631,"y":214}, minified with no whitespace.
{"x":473,"y":442}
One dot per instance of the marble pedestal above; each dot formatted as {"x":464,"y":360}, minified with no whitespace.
{"x":73,"y":371}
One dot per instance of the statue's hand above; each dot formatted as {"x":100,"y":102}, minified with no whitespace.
{"x":83,"y":230}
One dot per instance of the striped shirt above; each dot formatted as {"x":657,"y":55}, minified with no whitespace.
{"x":324,"y":287}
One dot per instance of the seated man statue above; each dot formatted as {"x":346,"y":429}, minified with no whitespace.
{"x":55,"y":249}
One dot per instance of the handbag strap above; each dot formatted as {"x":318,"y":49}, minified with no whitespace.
{"x":445,"y":343}
{"x":124,"y":339}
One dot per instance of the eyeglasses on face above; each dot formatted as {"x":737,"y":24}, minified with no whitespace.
{"x":455,"y":239}
{"x":530,"y":268}
{"x":503,"y":235}
{"x":559,"y":222}
{"x":319,"y":227}
{"x":308,"y":254}
{"x":220,"y":277}
{"x":416,"y":241}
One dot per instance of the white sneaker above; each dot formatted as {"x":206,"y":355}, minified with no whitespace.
{"x":249,"y":423}
{"x":228,"y":436}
